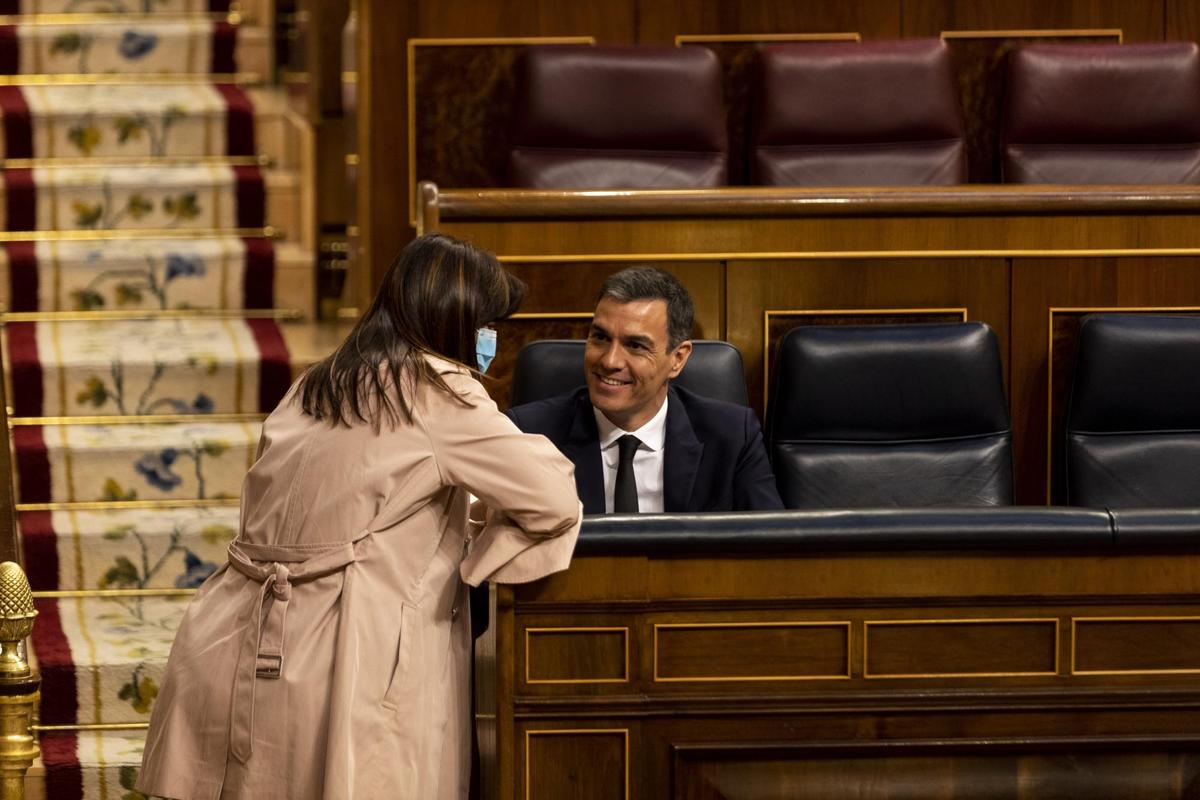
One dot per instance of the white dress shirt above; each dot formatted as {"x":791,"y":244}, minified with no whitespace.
{"x":647,"y":460}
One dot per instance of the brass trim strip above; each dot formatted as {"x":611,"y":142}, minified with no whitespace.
{"x":411,"y":97}
{"x":1036,"y":33}
{"x":350,"y":159}
{"x":115,"y":18}
{"x":1074,"y":639}
{"x":814,"y":255}
{"x":623,"y":630}
{"x":552,"y":315}
{"x":867,"y":675}
{"x":823,"y":312}
{"x":105,"y":505}
{"x":1051,"y":311}
{"x":91,"y":726}
{"x":135,"y":233}
{"x":135,"y":419}
{"x":757,"y":624}
{"x":699,"y":38}
{"x":138,"y":161}
{"x":280,"y":314}
{"x":102,"y":593}
{"x":128,"y":78}
{"x":574,"y":732}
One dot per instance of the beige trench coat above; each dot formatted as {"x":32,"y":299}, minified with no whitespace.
{"x":330,"y":657}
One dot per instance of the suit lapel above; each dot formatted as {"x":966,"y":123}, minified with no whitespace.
{"x":681,"y":459}
{"x":583,"y":448}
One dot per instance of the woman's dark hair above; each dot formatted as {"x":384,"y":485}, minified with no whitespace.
{"x":435,"y":295}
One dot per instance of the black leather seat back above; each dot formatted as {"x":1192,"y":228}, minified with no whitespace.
{"x":890,"y":415}
{"x":1133,"y":426}
{"x":551,"y":367}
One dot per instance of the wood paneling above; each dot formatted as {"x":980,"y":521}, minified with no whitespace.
{"x":579,"y":764}
{"x":962,"y":648}
{"x":958,"y":681}
{"x":1183,"y":20}
{"x":610,"y":21}
{"x":751,"y":651}
{"x":576,"y":655}
{"x":659,"y":21}
{"x":919,"y":770}
{"x":1141,"y":20}
{"x":513,"y":334}
{"x":1137,"y":645}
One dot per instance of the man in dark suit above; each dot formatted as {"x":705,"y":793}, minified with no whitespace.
{"x":638,"y":443}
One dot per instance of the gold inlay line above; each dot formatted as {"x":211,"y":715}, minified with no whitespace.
{"x":845,"y":624}
{"x":813,"y":255}
{"x":623,"y":630}
{"x":1076,"y":621}
{"x":529,"y":734}
{"x":867,"y":674}
{"x":1036,"y":33}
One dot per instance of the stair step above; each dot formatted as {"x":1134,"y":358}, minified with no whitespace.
{"x":139,"y":274}
{"x":146,"y":366}
{"x":87,"y":765}
{"x":103,"y":658}
{"x":134,"y":46}
{"x":178,"y":197}
{"x":177,"y":462}
{"x":124,"y":548}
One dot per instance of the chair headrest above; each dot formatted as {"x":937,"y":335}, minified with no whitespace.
{"x":888,"y":383}
{"x":1136,"y":372}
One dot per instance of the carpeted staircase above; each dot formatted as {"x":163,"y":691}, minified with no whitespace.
{"x":157,"y":284}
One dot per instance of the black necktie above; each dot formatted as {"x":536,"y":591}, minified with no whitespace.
{"x":625,"y":495}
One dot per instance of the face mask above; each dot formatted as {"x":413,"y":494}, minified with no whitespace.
{"x":485,"y":347}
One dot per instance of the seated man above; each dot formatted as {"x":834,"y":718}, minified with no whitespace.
{"x":640,"y":444}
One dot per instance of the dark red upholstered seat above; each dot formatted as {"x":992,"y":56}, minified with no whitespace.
{"x":1103,"y":114}
{"x":618,"y":118}
{"x":856,"y":114}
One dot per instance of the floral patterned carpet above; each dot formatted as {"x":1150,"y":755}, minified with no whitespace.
{"x":140,"y":339}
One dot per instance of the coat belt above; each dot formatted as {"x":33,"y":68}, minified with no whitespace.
{"x":260,"y":654}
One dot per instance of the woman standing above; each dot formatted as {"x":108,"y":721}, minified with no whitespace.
{"x":330,"y":658}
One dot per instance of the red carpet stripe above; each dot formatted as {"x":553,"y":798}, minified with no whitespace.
{"x":60,"y":697}
{"x":258,"y":281}
{"x":33,"y":464}
{"x":239,"y":120}
{"x":41,"y":550}
{"x":224,"y":43}
{"x":26,"y":369}
{"x":275,"y":373}
{"x":20,"y":200}
{"x":60,"y":754}
{"x":22,"y":276}
{"x":251,"y":197}
{"x":18,"y":127}
{"x":10,"y":50}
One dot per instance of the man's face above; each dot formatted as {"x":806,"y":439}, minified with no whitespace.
{"x":627,"y":362}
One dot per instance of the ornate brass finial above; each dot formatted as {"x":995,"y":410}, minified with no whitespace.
{"x":16,"y":620}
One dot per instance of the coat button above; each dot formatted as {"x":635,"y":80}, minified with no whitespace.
{"x":454,"y":613}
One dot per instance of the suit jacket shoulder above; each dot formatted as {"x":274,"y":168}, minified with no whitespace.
{"x":552,"y":418}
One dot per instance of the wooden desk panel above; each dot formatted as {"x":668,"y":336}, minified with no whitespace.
{"x":829,"y":675}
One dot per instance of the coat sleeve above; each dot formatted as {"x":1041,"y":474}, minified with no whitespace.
{"x":529,"y":517}
{"x":754,"y":487}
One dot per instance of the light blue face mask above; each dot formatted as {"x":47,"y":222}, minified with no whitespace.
{"x":485,"y":347}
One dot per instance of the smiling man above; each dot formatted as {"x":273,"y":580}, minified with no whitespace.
{"x":640,"y":444}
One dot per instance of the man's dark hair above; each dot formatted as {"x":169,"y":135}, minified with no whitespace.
{"x":648,"y":283}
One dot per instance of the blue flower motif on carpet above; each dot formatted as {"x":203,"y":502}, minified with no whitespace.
{"x":156,"y":469}
{"x":135,"y":45}
{"x":181,"y":266}
{"x":197,"y":571}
